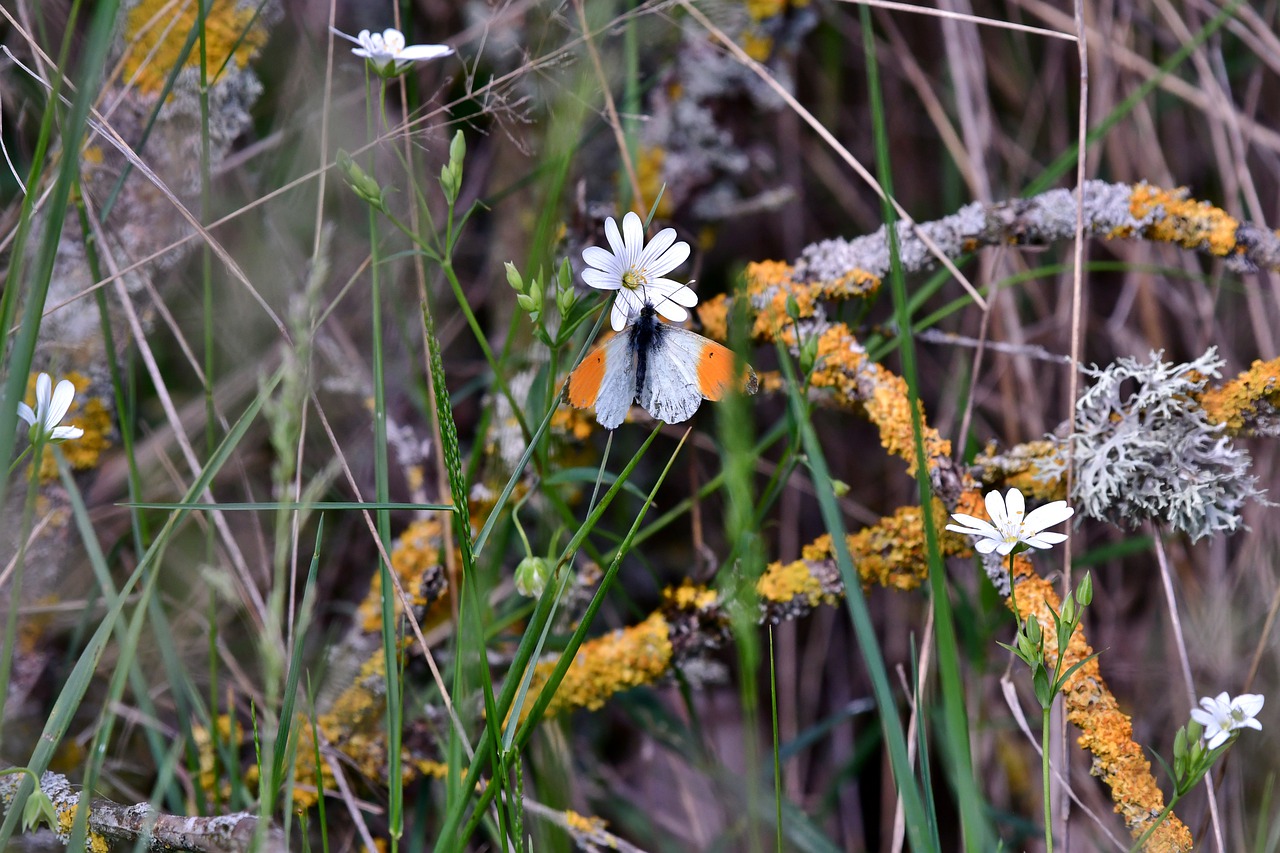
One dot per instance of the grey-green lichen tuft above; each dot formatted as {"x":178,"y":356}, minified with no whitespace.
{"x":1144,"y":449}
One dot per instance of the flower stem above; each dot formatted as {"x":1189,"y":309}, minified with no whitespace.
{"x":1044,"y":773}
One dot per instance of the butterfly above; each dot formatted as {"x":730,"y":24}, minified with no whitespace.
{"x":667,"y":369}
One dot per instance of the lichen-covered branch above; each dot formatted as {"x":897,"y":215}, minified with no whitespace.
{"x":110,"y":823}
{"x":1105,"y":731}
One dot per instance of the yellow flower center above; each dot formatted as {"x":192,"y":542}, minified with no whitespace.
{"x":634,"y":279}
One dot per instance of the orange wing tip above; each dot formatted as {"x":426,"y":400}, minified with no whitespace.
{"x":586,"y":379}
{"x":716,"y":373}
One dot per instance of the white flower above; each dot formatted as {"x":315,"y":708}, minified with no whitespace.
{"x":51,"y":408}
{"x":1223,"y":715}
{"x":1008,"y":527}
{"x":635,"y":271}
{"x":387,"y":52}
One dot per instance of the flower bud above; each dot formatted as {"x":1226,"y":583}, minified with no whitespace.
{"x":531,"y":576}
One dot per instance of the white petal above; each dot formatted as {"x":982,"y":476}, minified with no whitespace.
{"x":1005,"y":547}
{"x":1048,"y":515}
{"x":1222,"y":701}
{"x":1203,"y":718}
{"x":24,"y":412}
{"x":672,"y":258}
{"x":65,"y":433}
{"x":659,"y":244}
{"x":1044,"y":540}
{"x":632,"y":236}
{"x":974,"y":522}
{"x":602,"y":259}
{"x":341,"y":34}
{"x":601,"y":279}
{"x":985,"y":546}
{"x":62,"y":396}
{"x":672,"y":311}
{"x":1014,"y":505}
{"x":995,"y":507}
{"x":615,"y":239}
{"x":423,"y":52}
{"x":618,"y":316}
{"x":675,"y":291}
{"x":1250,"y":703}
{"x":1250,"y":723}
{"x":43,"y":386}
{"x":1217,"y":740}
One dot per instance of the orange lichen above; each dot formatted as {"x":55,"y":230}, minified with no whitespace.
{"x":1186,"y":222}
{"x":1020,"y":467}
{"x":1106,"y":732}
{"x":416,"y":552}
{"x":576,"y":424}
{"x":1238,"y":402}
{"x":714,"y":315}
{"x":582,"y":823}
{"x":621,"y":659}
{"x":157,"y":30}
{"x":649,"y":163}
{"x":787,"y":582}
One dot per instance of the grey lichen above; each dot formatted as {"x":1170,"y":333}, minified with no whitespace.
{"x":1144,"y":449}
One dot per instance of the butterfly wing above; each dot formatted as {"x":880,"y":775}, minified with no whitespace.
{"x":606,"y":379}
{"x":683,"y":369}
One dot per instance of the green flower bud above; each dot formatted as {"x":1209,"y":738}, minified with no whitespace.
{"x":514,"y":278}
{"x":360,"y":181}
{"x":532,"y":575}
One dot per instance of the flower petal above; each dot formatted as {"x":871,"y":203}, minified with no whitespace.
{"x":1202,"y":717}
{"x":1217,"y":740}
{"x":681,"y":294}
{"x":43,"y":386}
{"x":1250,"y":703}
{"x":65,"y":433}
{"x":673,"y":312}
{"x":615,"y":239}
{"x":660,"y":258}
{"x":62,"y":396}
{"x":618,"y":315}
{"x":600,"y":280}
{"x":24,"y":412}
{"x":995,"y":507}
{"x":1048,"y":515}
{"x":602,"y":260}
{"x":423,"y":52}
{"x":1045,"y":540}
{"x":632,"y":237}
{"x":974,"y":522}
{"x":985,"y":546}
{"x":1015,"y":506}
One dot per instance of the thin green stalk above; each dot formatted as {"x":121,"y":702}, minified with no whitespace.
{"x":20,"y":559}
{"x":54,"y":212}
{"x":956,"y":729}
{"x":524,"y":651}
{"x":1044,"y":778}
{"x":777,"y":745}
{"x":917,"y":823}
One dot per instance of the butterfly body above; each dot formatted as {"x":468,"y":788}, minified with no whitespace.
{"x":667,"y":369}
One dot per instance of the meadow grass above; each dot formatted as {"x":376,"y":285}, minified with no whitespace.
{"x":328,"y":561}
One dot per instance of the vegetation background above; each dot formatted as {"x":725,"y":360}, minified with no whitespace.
{"x":267,"y":350}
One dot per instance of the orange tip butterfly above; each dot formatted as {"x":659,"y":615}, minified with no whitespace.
{"x":667,"y":369}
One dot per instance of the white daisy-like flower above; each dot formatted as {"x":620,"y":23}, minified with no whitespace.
{"x":636,"y":271}
{"x":1222,"y":715}
{"x":388,"y":53}
{"x":51,"y":408}
{"x":1011,"y":524}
